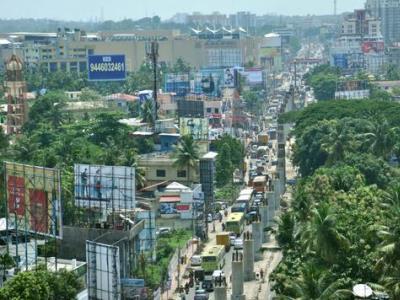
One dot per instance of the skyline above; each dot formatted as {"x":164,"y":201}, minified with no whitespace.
{"x":75,"y":10}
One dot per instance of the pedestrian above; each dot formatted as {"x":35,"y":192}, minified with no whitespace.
{"x":223,"y":226}
{"x":261,"y":273}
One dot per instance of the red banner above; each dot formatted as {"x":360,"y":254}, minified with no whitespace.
{"x":39,"y":210}
{"x":182,"y":207}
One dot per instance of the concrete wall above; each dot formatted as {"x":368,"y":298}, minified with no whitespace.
{"x":73,"y":244}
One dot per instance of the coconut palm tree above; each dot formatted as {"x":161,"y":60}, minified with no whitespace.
{"x":186,"y":154}
{"x":320,"y":234}
{"x":130,"y":159}
{"x":338,"y":143}
{"x":147,"y":112}
{"x":381,"y":138}
{"x":285,"y":234}
{"x":390,"y":234}
{"x":313,"y":284}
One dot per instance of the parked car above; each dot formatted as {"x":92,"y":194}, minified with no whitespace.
{"x":163,"y":231}
{"x":238,"y":244}
{"x":201,"y":295}
{"x":208,"y":285}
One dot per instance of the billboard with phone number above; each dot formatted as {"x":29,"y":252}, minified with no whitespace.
{"x":106,"y":67}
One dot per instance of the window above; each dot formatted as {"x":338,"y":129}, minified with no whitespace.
{"x":181,"y":173}
{"x":217,"y":111}
{"x":209,"y":109}
{"x":160,"y":173}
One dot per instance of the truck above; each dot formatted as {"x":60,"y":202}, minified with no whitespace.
{"x":263,"y":139}
{"x":224,"y":240}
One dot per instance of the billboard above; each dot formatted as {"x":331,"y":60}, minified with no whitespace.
{"x":373,"y":47}
{"x":340,"y":60}
{"x":177,"y":83}
{"x":253,"y":76}
{"x":196,"y":127}
{"x":106,"y":67}
{"x":190,"y":108}
{"x":168,"y":208}
{"x":103,"y":271}
{"x":33,"y":199}
{"x":104,"y":187}
{"x":209,"y":82}
{"x":229,"y":78}
{"x":147,"y":236}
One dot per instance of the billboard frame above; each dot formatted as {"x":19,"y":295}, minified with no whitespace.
{"x":107,"y":188}
{"x":28,"y":183}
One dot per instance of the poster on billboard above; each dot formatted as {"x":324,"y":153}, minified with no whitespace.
{"x":229,"y":78}
{"x":106,"y":67}
{"x":373,"y":47}
{"x":196,"y":127}
{"x":168,"y":209}
{"x":103,"y":271}
{"x":33,"y":199}
{"x":104,"y":187}
{"x":209,"y":82}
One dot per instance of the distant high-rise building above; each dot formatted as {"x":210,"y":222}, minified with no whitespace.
{"x":389,"y":13}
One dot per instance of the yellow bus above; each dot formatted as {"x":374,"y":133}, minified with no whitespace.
{"x":213,"y":258}
{"x":235,"y":223}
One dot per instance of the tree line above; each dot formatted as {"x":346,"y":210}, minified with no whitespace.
{"x":342,"y":227}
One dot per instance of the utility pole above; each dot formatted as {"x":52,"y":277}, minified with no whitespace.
{"x":152,"y":55}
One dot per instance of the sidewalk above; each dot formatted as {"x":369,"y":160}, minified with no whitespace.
{"x":260,"y":289}
{"x":188,"y":251}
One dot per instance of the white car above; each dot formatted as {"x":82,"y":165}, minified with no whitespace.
{"x":238,"y":244}
{"x":195,"y":260}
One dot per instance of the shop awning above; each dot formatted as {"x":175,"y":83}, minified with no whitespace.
{"x":170,"y":199}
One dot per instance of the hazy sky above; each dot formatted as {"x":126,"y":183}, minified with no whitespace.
{"x":119,"y":9}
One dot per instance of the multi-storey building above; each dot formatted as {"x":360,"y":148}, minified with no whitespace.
{"x":389,"y":13}
{"x":360,"y":46}
{"x":362,"y":24}
{"x":68,"y":50}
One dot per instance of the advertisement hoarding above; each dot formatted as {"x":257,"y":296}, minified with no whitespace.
{"x":33,"y":199}
{"x":103,"y":271}
{"x":147,"y":236}
{"x":106,"y":67}
{"x":196,"y":127}
{"x":253,"y":76}
{"x":209,"y":82}
{"x":229,"y":78}
{"x":104,"y":187}
{"x":177,"y":83}
{"x":168,"y":209}
{"x":373,"y":47}
{"x":340,"y":60}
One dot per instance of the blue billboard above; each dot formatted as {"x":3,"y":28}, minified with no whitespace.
{"x":106,"y":67}
{"x":340,"y":60}
{"x":177,"y":83}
